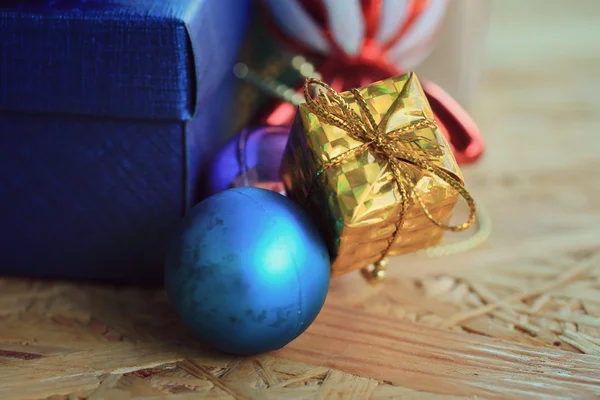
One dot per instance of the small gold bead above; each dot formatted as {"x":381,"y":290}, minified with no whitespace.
{"x":383,"y":263}
{"x":241,"y":70}
{"x":306,"y":70}
{"x":376,"y":272}
{"x":298,"y":61}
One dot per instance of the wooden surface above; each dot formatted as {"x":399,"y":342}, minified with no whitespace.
{"x":516,"y":318}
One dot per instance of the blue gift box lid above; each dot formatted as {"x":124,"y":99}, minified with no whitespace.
{"x":159,"y":59}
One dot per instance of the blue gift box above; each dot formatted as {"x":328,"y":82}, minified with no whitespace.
{"x":109,"y":111}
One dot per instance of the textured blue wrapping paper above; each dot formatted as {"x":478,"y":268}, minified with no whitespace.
{"x":109,"y":112}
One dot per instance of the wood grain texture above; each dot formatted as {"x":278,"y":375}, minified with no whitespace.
{"x":429,"y":359}
{"x":517,"y":318}
{"x":64,"y":341}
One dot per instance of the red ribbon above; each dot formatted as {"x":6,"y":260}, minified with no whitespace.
{"x":343,"y":72}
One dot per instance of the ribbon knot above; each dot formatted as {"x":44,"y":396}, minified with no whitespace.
{"x":398,"y":148}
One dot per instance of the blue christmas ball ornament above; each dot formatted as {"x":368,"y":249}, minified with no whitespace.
{"x":247,"y":271}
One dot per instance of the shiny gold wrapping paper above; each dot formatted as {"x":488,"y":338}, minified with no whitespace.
{"x":357,"y":203}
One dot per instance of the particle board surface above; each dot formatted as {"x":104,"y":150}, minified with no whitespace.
{"x":516,"y":318}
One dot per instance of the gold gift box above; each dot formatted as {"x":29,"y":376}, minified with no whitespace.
{"x":357,"y":203}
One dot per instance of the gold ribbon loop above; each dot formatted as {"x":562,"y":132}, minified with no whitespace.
{"x":362,"y":127}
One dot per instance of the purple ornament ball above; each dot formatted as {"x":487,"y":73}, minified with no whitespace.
{"x":251,"y":158}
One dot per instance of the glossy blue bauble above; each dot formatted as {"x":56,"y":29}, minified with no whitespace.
{"x":247,"y":271}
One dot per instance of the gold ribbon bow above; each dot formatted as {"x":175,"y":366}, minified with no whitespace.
{"x":385,"y":145}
